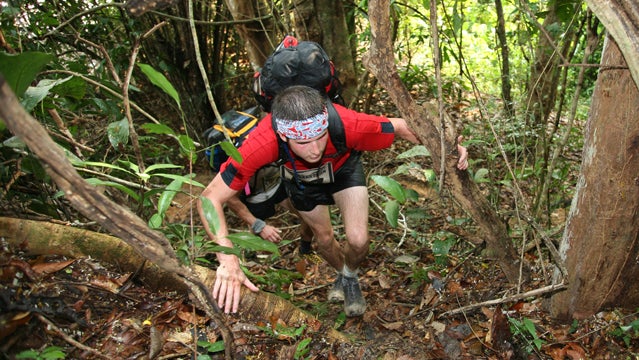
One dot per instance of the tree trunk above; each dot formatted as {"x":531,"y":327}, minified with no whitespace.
{"x":425,"y":122}
{"x":311,"y":19}
{"x":505,"y":62}
{"x":253,"y":28}
{"x":621,"y":19}
{"x":600,"y":242}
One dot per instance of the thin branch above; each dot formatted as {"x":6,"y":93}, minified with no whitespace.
{"x":69,"y":339}
{"x":516,"y":297}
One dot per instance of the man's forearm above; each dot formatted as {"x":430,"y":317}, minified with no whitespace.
{"x":239,"y":209}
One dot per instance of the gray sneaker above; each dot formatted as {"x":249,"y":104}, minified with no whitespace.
{"x":336,"y":293}
{"x":354,"y":303}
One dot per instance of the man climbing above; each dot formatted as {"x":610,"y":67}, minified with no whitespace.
{"x":258,"y":202}
{"x":317,"y":173}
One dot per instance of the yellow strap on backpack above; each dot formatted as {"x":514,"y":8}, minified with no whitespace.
{"x":238,"y":133}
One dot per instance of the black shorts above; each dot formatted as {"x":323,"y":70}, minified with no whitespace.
{"x":266,"y":209}
{"x":349,"y":175}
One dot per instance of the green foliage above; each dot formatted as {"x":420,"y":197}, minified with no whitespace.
{"x":441,"y":246}
{"x":49,"y":353}
{"x":525,"y":330}
{"x":210,"y":348}
{"x":628,"y":332}
{"x":19,"y":70}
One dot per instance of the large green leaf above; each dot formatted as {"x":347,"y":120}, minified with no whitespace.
{"x":391,"y":186}
{"x":252,"y":242}
{"x":167,"y":196}
{"x":231,"y":151}
{"x":34,"y":94}
{"x":158,"y":129}
{"x":20,"y":70}
{"x":210,"y":214}
{"x":159,"y":80}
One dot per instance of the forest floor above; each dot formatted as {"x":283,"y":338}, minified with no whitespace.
{"x":431,"y":289}
{"x":422,"y":304}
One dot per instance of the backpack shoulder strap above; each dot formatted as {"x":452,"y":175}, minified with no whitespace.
{"x":336,"y":128}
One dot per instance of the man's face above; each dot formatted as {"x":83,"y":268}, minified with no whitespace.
{"x":310,"y":150}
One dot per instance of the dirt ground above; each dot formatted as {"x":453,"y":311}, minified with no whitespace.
{"x":421,"y":305}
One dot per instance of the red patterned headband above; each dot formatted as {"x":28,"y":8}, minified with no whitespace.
{"x":303,"y":129}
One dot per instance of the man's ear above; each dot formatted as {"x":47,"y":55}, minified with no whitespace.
{"x":283,"y":138}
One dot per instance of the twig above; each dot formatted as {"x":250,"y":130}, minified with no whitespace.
{"x":125,"y":95}
{"x":516,"y":297}
{"x":69,"y":339}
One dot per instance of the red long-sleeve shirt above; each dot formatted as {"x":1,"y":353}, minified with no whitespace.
{"x":363,"y":132}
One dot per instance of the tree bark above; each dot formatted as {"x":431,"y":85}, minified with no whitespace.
{"x":425,"y":122}
{"x":311,"y":19}
{"x":253,"y":28}
{"x":601,"y":239}
{"x":621,"y":19}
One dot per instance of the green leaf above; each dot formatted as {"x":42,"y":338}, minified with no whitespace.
{"x":223,"y":249}
{"x":418,"y":150}
{"x":391,"y":210}
{"x":118,"y":133}
{"x":231,"y":151}
{"x":100,"y":164}
{"x":155,"y":221}
{"x":187,"y":147}
{"x":181,"y":177}
{"x":252,"y":242}
{"x":167,"y":196}
{"x":210,"y":214}
{"x":100,"y":182}
{"x":212,"y":347}
{"x":154,"y":167}
{"x":20,"y":70}
{"x":391,"y":186}
{"x":161,"y":129}
{"x":481,"y":176}
{"x":35,"y":94}
{"x":159,"y":80}
{"x":430,"y":176}
{"x":74,"y":88}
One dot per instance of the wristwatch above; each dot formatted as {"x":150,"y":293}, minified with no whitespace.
{"x":258,"y":226}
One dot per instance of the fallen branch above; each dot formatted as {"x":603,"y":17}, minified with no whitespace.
{"x":516,"y":297}
{"x":69,"y":339}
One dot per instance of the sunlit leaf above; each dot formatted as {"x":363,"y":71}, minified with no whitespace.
{"x":161,"y":129}
{"x":34,"y":94}
{"x":158,"y":79}
{"x":154,"y":167}
{"x":417,"y":150}
{"x":481,"y":176}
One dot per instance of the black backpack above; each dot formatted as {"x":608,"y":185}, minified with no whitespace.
{"x":296,"y":63}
